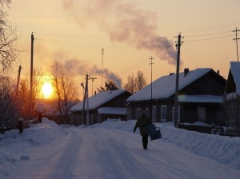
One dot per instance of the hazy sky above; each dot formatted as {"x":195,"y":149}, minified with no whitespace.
{"x":130,"y":32}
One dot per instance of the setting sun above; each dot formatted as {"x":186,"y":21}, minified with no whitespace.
{"x":47,"y":89}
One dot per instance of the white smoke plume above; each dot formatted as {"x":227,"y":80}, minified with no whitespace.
{"x":81,"y":67}
{"x":124,"y":22}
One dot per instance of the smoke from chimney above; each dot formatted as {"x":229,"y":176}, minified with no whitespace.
{"x":124,"y":22}
{"x":81,"y":67}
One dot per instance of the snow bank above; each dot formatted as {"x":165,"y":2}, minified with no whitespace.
{"x":12,"y":142}
{"x":222,"y":149}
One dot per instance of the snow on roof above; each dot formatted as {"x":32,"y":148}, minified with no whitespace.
{"x":98,"y":99}
{"x":164,"y":86}
{"x":112,"y":110}
{"x":235,"y":70}
{"x":200,"y":98}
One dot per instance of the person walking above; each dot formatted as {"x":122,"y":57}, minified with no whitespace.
{"x":142,"y":123}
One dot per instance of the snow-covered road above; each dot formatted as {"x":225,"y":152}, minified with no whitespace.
{"x":103,"y":153}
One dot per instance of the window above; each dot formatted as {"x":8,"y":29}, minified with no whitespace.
{"x":147,"y":111}
{"x":154,"y":113}
{"x":163,"y":112}
{"x":201,"y":114}
{"x":138,"y":113}
{"x":178,"y":114}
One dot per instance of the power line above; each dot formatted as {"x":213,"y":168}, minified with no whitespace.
{"x":135,"y":65}
{"x":130,"y":68}
{"x":192,"y":56}
{"x":212,"y":38}
{"x":212,"y":28}
{"x":201,"y":35}
{"x":71,"y":36}
{"x":90,"y":45}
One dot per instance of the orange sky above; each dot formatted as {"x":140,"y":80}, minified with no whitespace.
{"x":130,"y":32}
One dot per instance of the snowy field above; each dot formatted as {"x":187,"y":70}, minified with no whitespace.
{"x":112,"y":151}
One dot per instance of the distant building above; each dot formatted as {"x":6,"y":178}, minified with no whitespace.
{"x":200,"y":97}
{"x":103,"y":105}
{"x":232,"y":98}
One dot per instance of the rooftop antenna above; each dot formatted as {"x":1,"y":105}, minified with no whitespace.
{"x":102,"y":67}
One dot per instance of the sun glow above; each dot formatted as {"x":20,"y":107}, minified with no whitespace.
{"x":47,"y":89}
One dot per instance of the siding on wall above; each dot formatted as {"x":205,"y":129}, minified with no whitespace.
{"x":209,"y":84}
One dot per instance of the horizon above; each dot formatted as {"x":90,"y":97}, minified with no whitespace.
{"x":117,"y":39}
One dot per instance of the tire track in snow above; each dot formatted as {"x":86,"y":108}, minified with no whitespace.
{"x":67,"y":162}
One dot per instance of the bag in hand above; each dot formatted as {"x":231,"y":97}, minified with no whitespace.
{"x":154,"y":132}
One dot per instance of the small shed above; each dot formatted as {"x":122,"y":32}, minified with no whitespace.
{"x":103,"y":105}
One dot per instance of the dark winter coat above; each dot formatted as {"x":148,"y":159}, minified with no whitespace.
{"x":142,"y":123}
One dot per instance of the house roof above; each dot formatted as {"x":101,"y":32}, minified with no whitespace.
{"x":98,"y":99}
{"x":112,"y":110}
{"x":235,"y":70}
{"x":164,"y":87}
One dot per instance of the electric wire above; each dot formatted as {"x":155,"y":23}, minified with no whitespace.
{"x":201,"y":35}
{"x":136,"y":63}
{"x":192,"y":56}
{"x":212,"y":28}
{"x":71,"y":36}
{"x":211,"y":38}
{"x":73,"y":43}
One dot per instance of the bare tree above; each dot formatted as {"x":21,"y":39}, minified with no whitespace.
{"x":8,"y":110}
{"x":22,"y":99}
{"x":23,"y":96}
{"x":140,"y":80}
{"x":134,"y":84}
{"x":8,"y":37}
{"x":8,"y":55}
{"x":130,"y":85}
{"x":65,"y":88}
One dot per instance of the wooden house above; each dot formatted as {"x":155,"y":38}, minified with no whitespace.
{"x":103,"y":105}
{"x":232,"y":98}
{"x":200,"y":97}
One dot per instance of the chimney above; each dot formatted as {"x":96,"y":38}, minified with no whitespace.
{"x":171,"y":74}
{"x":186,"y":70}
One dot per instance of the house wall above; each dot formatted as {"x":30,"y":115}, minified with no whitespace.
{"x":94,"y":117}
{"x":189,"y":112}
{"x":213,"y":113}
{"x":133,"y":106}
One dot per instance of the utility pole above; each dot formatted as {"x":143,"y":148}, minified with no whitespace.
{"x":18,"y":79}
{"x":237,"y":41}
{"x":178,"y":45}
{"x":86,"y":97}
{"x":92,"y":78}
{"x":31,"y":75}
{"x":151,"y":63}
